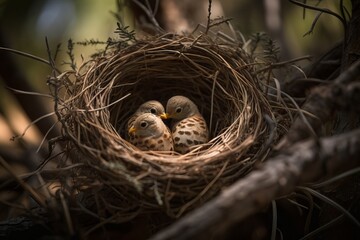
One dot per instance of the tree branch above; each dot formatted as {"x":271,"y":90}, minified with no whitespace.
{"x":327,"y":67}
{"x":303,"y":162}
{"x":322,"y":103}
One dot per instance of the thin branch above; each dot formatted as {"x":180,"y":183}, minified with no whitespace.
{"x":341,"y":7}
{"x":34,"y":122}
{"x":313,"y":24}
{"x":274,"y":220}
{"x":67,"y":214}
{"x":325,"y":10}
{"x":14,"y":78}
{"x":322,"y":228}
{"x":322,"y":102}
{"x":24,"y":54}
{"x":332,"y":203}
{"x":284,"y":63}
{"x":39,"y":199}
{"x":208,"y":17}
{"x":336,"y":178}
{"x":30,"y":93}
{"x":149,"y":13}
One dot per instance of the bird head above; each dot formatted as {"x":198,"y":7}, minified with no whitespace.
{"x":146,"y":125}
{"x":153,"y":107}
{"x":179,"y":108}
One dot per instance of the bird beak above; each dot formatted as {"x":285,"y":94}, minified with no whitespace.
{"x":164,"y":116}
{"x":132,"y":130}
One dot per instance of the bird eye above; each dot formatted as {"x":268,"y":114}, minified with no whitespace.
{"x":153,"y":110}
{"x":178,"y":110}
{"x":143,"y":124}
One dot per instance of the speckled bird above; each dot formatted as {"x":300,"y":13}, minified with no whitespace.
{"x":152,"y":106}
{"x":188,"y":125}
{"x":150,"y":133}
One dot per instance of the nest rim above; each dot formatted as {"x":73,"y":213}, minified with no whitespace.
{"x":101,"y":87}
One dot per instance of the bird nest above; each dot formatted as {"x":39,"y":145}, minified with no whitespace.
{"x":94,"y":103}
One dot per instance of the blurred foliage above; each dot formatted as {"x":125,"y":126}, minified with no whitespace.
{"x":25,"y":24}
{"x":248,"y":17}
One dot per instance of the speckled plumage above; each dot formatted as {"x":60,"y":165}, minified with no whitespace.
{"x":150,"y":133}
{"x":151,"y":106}
{"x":188,"y":126}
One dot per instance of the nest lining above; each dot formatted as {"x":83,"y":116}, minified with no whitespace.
{"x":97,"y":101}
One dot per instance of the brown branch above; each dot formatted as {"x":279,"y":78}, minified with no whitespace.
{"x":31,"y":191}
{"x":208,"y":17}
{"x":322,"y":103}
{"x":150,"y":14}
{"x":325,"y":10}
{"x":303,"y":162}
{"x":326,"y":67}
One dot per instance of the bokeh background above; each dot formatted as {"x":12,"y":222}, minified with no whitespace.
{"x":25,"y":24}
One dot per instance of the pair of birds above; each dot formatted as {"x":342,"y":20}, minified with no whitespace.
{"x":147,"y":131}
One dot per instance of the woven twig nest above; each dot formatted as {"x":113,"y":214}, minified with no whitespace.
{"x":95,"y":102}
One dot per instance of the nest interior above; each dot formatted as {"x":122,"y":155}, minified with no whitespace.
{"x":96,"y":101}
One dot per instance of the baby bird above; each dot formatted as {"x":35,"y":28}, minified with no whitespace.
{"x":188,"y":126}
{"x":150,"y":133}
{"x":152,"y":106}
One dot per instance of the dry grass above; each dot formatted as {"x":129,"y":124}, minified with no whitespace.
{"x":94,"y":103}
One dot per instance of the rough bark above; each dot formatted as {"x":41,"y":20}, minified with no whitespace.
{"x":301,"y":163}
